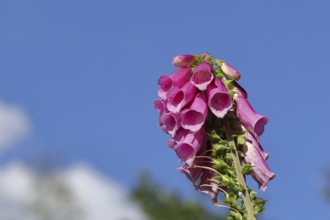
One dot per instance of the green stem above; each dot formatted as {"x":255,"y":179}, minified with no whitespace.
{"x":240,"y":176}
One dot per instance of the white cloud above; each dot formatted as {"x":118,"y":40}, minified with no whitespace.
{"x":14,"y":124}
{"x":76,"y":193}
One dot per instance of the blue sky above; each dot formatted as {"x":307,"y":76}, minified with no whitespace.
{"x":86,"y":74}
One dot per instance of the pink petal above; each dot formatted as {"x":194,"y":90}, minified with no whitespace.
{"x":165,"y":84}
{"x":261,"y":171}
{"x":250,"y":138}
{"x":252,"y":121}
{"x":239,"y":89}
{"x":202,"y":76}
{"x":178,"y":98}
{"x":183,"y":60}
{"x":189,"y":147}
{"x":230,"y":72}
{"x":193,"y":174}
{"x":208,"y":185}
{"x":219,"y":99}
{"x":176,"y":79}
{"x":194,"y":117}
{"x":159,"y":105}
{"x":169,"y":122}
{"x":180,"y":77}
{"x":202,"y":179}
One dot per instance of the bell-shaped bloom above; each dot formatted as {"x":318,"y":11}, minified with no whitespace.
{"x":239,"y":89}
{"x":177,"y":79}
{"x":169,"y":122}
{"x":250,"y":138}
{"x":252,"y":121}
{"x":209,"y":185}
{"x":177,"y":98}
{"x":165,"y":84}
{"x":206,"y":57}
{"x":180,"y":76}
{"x":189,"y":147}
{"x":230,"y":72}
{"x":180,"y":134}
{"x":219,"y":99}
{"x":202,"y":179}
{"x":183,"y":60}
{"x":193,"y":174}
{"x":202,"y":76}
{"x":159,"y":105}
{"x":194,"y":117}
{"x":261,"y":171}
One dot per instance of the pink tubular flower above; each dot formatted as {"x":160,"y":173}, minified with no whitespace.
{"x":252,"y":121}
{"x":180,"y":76}
{"x":169,"y":122}
{"x":193,"y":174}
{"x":202,"y":179}
{"x":194,"y":117}
{"x":219,"y":99}
{"x":178,"y":98}
{"x":202,"y":76}
{"x":180,"y":134}
{"x":176,"y":79}
{"x":183,"y":60}
{"x":206,"y":57}
{"x":239,"y":89}
{"x":165,"y":84}
{"x":159,"y":105}
{"x":189,"y":147}
{"x":250,"y":138}
{"x":230,"y":72}
{"x":209,"y":185}
{"x":261,"y":171}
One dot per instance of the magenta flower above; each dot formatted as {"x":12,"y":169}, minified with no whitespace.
{"x":202,"y":179}
{"x":230,"y":72}
{"x":169,"y":122}
{"x":207,"y":115}
{"x":178,"y":98}
{"x":261,"y":171}
{"x":202,"y":76}
{"x":250,"y":138}
{"x":178,"y":138}
{"x":159,"y":105}
{"x":219,"y":99}
{"x":252,"y":121}
{"x":206,"y":57}
{"x":194,"y":117}
{"x":176,"y":79}
{"x":189,"y":147}
{"x":239,"y":89}
{"x":209,"y":185}
{"x":180,"y":76}
{"x":183,"y":60}
{"x":193,"y":174}
{"x":165,"y":84}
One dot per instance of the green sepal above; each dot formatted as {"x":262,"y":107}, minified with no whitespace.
{"x":247,"y":169}
{"x":240,"y":139}
{"x":218,"y":62}
{"x":234,"y":216}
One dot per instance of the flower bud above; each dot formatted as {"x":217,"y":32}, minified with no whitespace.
{"x":183,"y":60}
{"x":230,"y":72}
{"x":206,"y":57}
